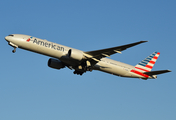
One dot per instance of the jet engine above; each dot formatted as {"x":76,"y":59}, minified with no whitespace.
{"x":75,"y":54}
{"x":56,"y":64}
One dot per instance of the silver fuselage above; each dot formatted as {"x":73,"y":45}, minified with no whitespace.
{"x":60,"y":52}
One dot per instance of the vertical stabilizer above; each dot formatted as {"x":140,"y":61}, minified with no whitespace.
{"x":147,"y":64}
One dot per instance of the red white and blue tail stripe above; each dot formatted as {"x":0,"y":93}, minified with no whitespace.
{"x":146,"y":65}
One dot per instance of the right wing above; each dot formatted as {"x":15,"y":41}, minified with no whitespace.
{"x":98,"y":54}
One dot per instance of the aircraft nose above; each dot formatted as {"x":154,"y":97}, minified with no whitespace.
{"x":9,"y":37}
{"x":6,"y":38}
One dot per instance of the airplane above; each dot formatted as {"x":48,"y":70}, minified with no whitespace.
{"x":81,"y":62}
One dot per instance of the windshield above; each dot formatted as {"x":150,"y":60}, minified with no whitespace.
{"x":11,"y":35}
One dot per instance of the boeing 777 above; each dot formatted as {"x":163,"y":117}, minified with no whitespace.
{"x":81,"y":62}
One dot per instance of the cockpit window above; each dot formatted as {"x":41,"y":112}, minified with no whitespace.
{"x":11,"y":35}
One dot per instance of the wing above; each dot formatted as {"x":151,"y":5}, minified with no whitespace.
{"x":98,"y":54}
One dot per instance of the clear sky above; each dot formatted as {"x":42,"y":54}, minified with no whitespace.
{"x":30,"y":90}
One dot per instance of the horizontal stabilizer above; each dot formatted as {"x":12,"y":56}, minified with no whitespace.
{"x":156,"y":72}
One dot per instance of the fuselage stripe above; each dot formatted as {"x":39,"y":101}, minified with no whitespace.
{"x":139,"y":73}
{"x":142,"y":69}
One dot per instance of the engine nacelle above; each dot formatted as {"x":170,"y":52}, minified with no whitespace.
{"x":75,"y":54}
{"x":56,"y":64}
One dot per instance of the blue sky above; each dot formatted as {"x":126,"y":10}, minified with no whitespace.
{"x":30,"y":90}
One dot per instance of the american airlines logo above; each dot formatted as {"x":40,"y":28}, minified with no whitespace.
{"x":46,"y":44}
{"x":29,"y":39}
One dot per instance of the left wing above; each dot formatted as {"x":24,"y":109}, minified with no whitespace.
{"x":98,"y":54}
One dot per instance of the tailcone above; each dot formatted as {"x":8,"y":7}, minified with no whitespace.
{"x":154,"y":76}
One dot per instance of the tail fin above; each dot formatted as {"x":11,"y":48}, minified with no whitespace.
{"x":147,"y":64}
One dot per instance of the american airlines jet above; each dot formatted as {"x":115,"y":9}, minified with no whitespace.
{"x":81,"y":62}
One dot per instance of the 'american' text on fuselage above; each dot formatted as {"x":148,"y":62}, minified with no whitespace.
{"x":49,"y":45}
